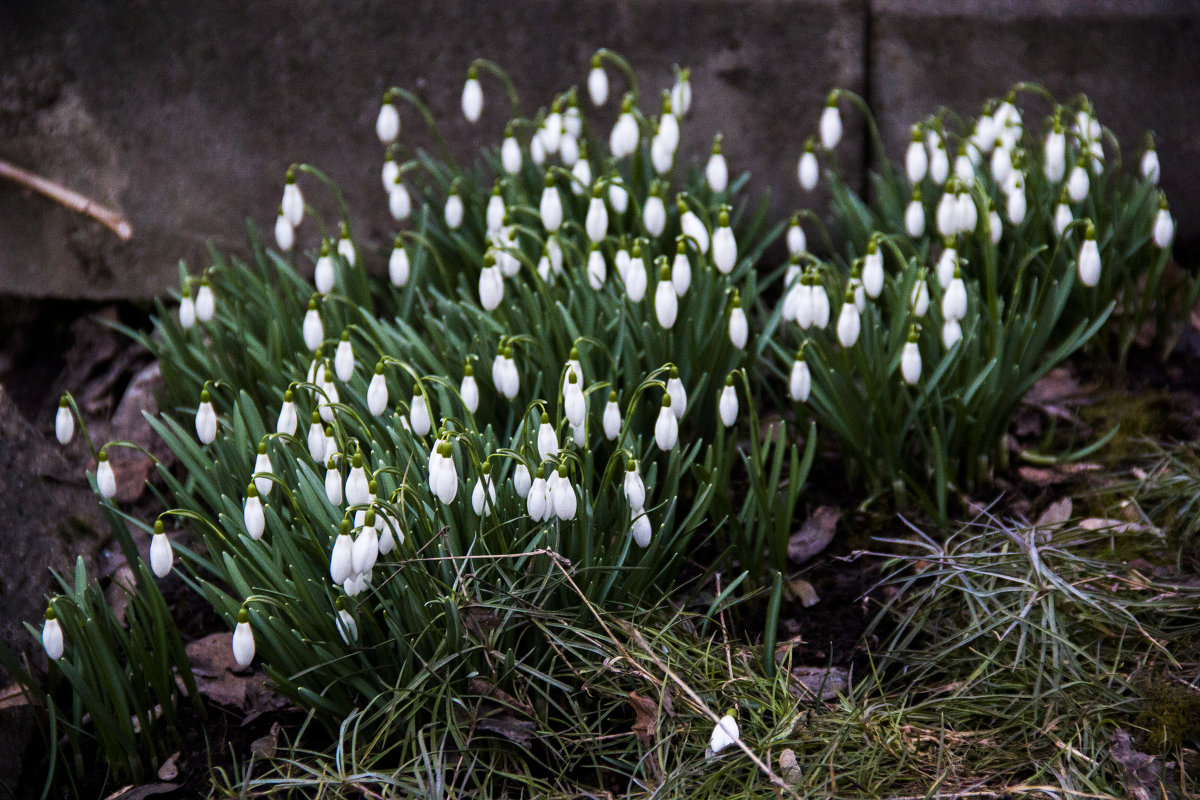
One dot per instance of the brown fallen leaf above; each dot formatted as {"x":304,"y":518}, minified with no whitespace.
{"x":169,"y":770}
{"x":814,"y":535}
{"x":212,"y":655}
{"x":1141,"y":771}
{"x":480,"y":621}
{"x":265,"y":746}
{"x":490,"y":690}
{"x":13,"y":696}
{"x":515,"y":730}
{"x":646,"y":724}
{"x":825,"y":682}
{"x":805,"y":592}
{"x":790,"y":769}
{"x":1058,"y":513}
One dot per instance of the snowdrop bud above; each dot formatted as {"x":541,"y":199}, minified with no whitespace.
{"x":635,"y":276}
{"x":914,"y":216}
{"x":596,"y":222}
{"x":537,"y":500}
{"x":537,"y":153}
{"x":491,"y":284}
{"x":1062,"y":215}
{"x":447,"y":486}
{"x":716,"y":172}
{"x":947,"y":264}
{"x":797,"y":243}
{"x":1164,"y":228}
{"x":954,"y":301}
{"x":206,"y":419}
{"x":728,"y":404}
{"x":262,"y":465}
{"x":345,"y":246}
{"x":314,"y":331}
{"x":681,"y":269}
{"x":341,"y":561}
{"x":205,"y":301}
{"x":668,"y":128}
{"x":677,"y":392}
{"x":618,"y":194}
{"x":574,"y":403}
{"x":547,"y":439}
{"x":968,"y":215}
{"x":565,"y":502}
{"x":106,"y":481}
{"x":724,"y":734}
{"x":398,"y":263}
{"x":510,"y":153}
{"x":399,"y":206}
{"x":1055,"y":164}
{"x":323,"y":275}
{"x":187,"y":307}
{"x":807,"y":170}
{"x":316,"y":438}
{"x":939,"y":161}
{"x":621,"y":260}
{"x":390,"y":172}
{"x":161,"y":556}
{"x":292,"y":204}
{"x":387,"y":542}
{"x":366,"y":546}
{"x":52,"y":636}
{"x":1149,"y":165}
{"x":485,"y":490}
{"x":568,"y":150}
{"x":681,"y":93}
{"x":738,"y":329}
{"x":453,"y":211}
{"x":849,"y":324}
{"x":331,"y":450}
{"x":654,"y":213}
{"x":947,"y":215}
{"x":597,"y":83}
{"x":333,"y":483}
{"x":800,"y":380}
{"x":691,"y":227}
{"x":343,"y":358}
{"x":285,"y":234}
{"x":612,"y":417}
{"x":624,"y":137}
{"x":358,"y":489}
{"x":820,"y":303}
{"x":666,"y":302}
{"x":916,"y":162}
{"x":995,"y":226}
{"x":252,"y":513}
{"x":347,"y":627}
{"x":804,"y":301}
{"x":910,"y":359}
{"x":419,"y":413}
{"x":552,"y":129}
{"x":1089,"y":259}
{"x":551,"y":206}
{"x":1002,"y":165}
{"x":666,"y":429}
{"x":855,"y":288}
{"x":1077,"y":184}
{"x":243,"y":639}
{"x":872,"y":273}
{"x":387,"y":124}
{"x":472,"y":97}
{"x":919,"y":299}
{"x":640,"y":528}
{"x":64,"y":421}
{"x":1015,"y":200}
{"x":469,"y":389}
{"x":724,"y":245}
{"x":495,"y":209}
{"x":581,"y":171}
{"x":512,"y":379}
{"x":964,"y":170}
{"x":951,"y":333}
{"x":831,"y":123}
{"x":521,"y":480}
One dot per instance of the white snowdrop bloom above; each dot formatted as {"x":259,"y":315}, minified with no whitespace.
{"x":418,"y":415}
{"x":1054,"y":165}
{"x":724,"y":734}
{"x":640,"y":528}
{"x":262,"y":468}
{"x":543,"y":268}
{"x":551,"y":131}
{"x":366,"y":546}
{"x":919,"y":299}
{"x":910,"y":360}
{"x":681,"y":94}
{"x":621,"y":261}
{"x":243,"y":640}
{"x":574,"y":403}
{"x":1164,"y":226}
{"x":800,"y":380}
{"x":681,"y":269}
{"x":64,"y":422}
{"x":807,"y":170}
{"x":345,"y":246}
{"x":947,"y":264}
{"x":995,"y":226}
{"x":727,"y":406}
{"x":162,"y":557}
{"x":483,"y":495}
{"x":939,"y":163}
{"x":1089,"y":259}
{"x":946,"y":215}
{"x":495,"y":210}
{"x":341,"y":560}
{"x":331,"y":449}
{"x":612,"y":417}
{"x":565,"y":501}
{"x":596,"y":269}
{"x":820,"y":304}
{"x":343,"y":358}
{"x":666,"y":301}
{"x":252,"y":513}
{"x":661,"y":156}
{"x":447,"y":486}
{"x":849,"y":323}
{"x":510,"y":154}
{"x":206,"y":419}
{"x":984,"y":136}
{"x":596,"y":222}
{"x":316,"y":438}
{"x":387,"y":540}
{"x":453,"y":210}
{"x":855,"y":288}
{"x":797,"y":242}
{"x":914,"y":217}
{"x":666,"y":429}
{"x":1016,"y":203}
{"x":691,"y":226}
{"x":285,"y":234}
{"x":52,"y":636}
{"x":509,"y":264}
{"x":537,"y":153}
{"x":739,"y":330}
{"x":472,"y":97}
{"x":1002,"y":166}
{"x":399,"y":206}
{"x":554,"y":252}
{"x":597,"y":83}
{"x":491,"y":284}
{"x":916,"y":162}
{"x":206,"y":304}
{"x":635,"y":276}
{"x":724,"y":245}
{"x":1062,"y":217}
{"x":954,"y":301}
{"x":1077,"y":184}
{"x":358,"y":487}
{"x":347,"y":627}
{"x":634,"y":486}
{"x":399,"y":268}
{"x":568,"y":150}
{"x":872,"y":272}
{"x":967,"y":213}
{"x":314,"y":331}
{"x":572,"y":120}
{"x":292,"y":204}
{"x":624,"y":137}
{"x":333,"y":483}
{"x":831,"y":123}
{"x":390,"y":172}
{"x":804,"y":308}
{"x":1149,"y":165}
{"x":677,"y":393}
{"x":387,"y":124}
{"x":716,"y":171}
{"x":521,"y":480}
{"x":469,"y":389}
{"x":618,"y":195}
{"x":550,"y":207}
{"x":323,"y":275}
{"x":499,"y":368}
{"x":668,"y":129}
{"x":537,"y":500}
{"x":573,"y":368}
{"x":964,"y":170}
{"x":547,"y":439}
{"x":951,"y":333}
{"x":187,"y":309}
{"x":654,"y":214}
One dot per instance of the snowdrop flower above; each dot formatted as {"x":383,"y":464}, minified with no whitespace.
{"x":390,"y":172}
{"x":946,"y":215}
{"x":1077,"y":183}
{"x":666,"y":302}
{"x":803,"y":302}
{"x":358,"y":489}
{"x":716,"y":171}
{"x":537,"y":153}
{"x":831,"y":123}
{"x":985,"y":130}
{"x":661,"y":156}
{"x":331,"y":450}
{"x":399,"y":206}
{"x":550,"y":207}
{"x":666,"y":429}
{"x":640,"y":528}
{"x":341,"y":560}
{"x":668,"y":127}
{"x":995,"y":226}
{"x":807,"y":169}
{"x":472,"y":96}
{"x":914,"y":216}
{"x":418,"y":415}
{"x":621,"y":260}
{"x":262,"y":467}
{"x":285,"y":234}
{"x":333,"y":483}
{"x":574,"y":403}
{"x":581,"y":171}
{"x":1149,"y":165}
{"x":243,"y":639}
{"x":323,"y":275}
{"x":568,"y":148}
{"x":161,"y":556}
{"x":634,"y":487}
{"x":919,"y":299}
{"x":292,"y":204}
{"x":724,"y":245}
{"x":849,"y":324}
{"x":206,"y":419}
{"x":597,"y":82}
{"x":499,"y":370}
{"x":491,"y":283}
{"x":537,"y":502}
{"x":387,"y":542}
{"x":1055,"y":164}
{"x":469,"y":389}
{"x":572,"y":120}
{"x":521,"y":480}
{"x":855,"y":288}
{"x":624,"y":137}
{"x":954,"y":301}
{"x":64,"y":421}
{"x":316,"y":438}
{"x":618,"y":194}
{"x":510,"y":153}
{"x":681,"y":93}
{"x":967,"y":215}
{"x":724,"y":734}
{"x":547,"y":439}
{"x":939,"y":161}
{"x":1062,"y":215}
{"x":398,"y":263}
{"x":453,"y":210}
{"x":612,"y":417}
{"x":484,"y":491}
{"x":947,"y":264}
{"x":552,"y":127}
{"x":1089,"y":259}
{"x":366,"y":546}
{"x":596,"y":222}
{"x":654,"y":213}
{"x":106,"y":481}
{"x":916,"y":162}
{"x":819,"y":298}
{"x":387,"y":124}
{"x":677,"y":392}
{"x":447,"y":483}
{"x":52,"y":635}
{"x":596,"y":270}
{"x":1002,"y":165}
{"x":797,"y":243}
{"x":205,"y":301}
{"x":681,"y":269}
{"x":635,"y":276}
{"x":872,"y":272}
{"x":910,"y":358}
{"x":1016,"y":202}
{"x":738,"y":328}
{"x":343,"y":358}
{"x":951,"y":333}
{"x":347,"y":627}
{"x":345,"y":247}
{"x":1164,"y":228}
{"x":691,"y":226}
{"x":314,"y":331}
{"x":563,"y":495}
{"x":728,"y":404}
{"x":800,"y":380}
{"x":964,"y":170}
{"x":495,"y":209}
{"x":187,"y":307}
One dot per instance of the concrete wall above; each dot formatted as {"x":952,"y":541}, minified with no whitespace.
{"x":185,"y":117}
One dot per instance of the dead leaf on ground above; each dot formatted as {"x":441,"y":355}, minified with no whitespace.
{"x":213,"y":666}
{"x":480,"y":621}
{"x":1058,"y":513}
{"x":13,"y":696}
{"x":266,"y":746}
{"x":805,"y":592}
{"x":814,"y":535}
{"x":212,"y":655}
{"x":169,"y":770}
{"x":646,"y":724}
{"x":790,"y":769}
{"x":490,"y":690}
{"x":823,"y":682}
{"x":1115,"y":526}
{"x":515,"y":730}
{"x":1142,"y":771}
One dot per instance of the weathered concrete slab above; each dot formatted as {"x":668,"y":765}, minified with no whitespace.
{"x":1138,"y":60}
{"x":186,"y":118}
